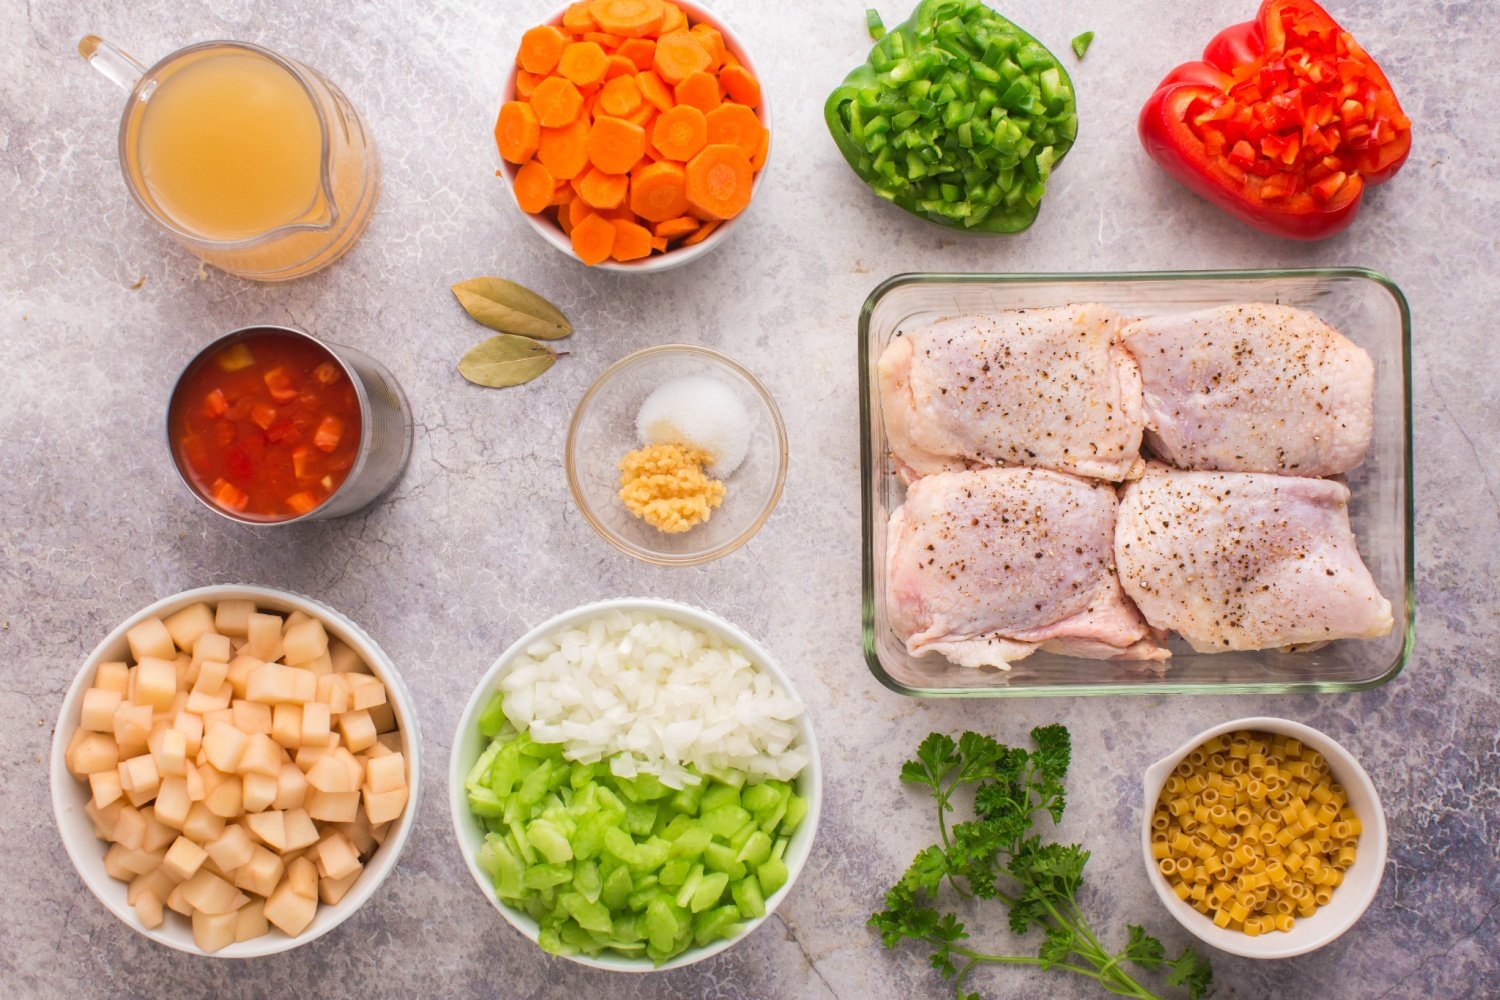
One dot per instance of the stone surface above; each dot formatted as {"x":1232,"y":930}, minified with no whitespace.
{"x":480,"y":540}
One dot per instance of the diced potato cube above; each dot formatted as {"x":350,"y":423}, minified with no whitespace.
{"x":104,"y":786}
{"x":197,"y":791}
{"x":183,"y":859}
{"x":172,"y":802}
{"x":188,"y":624}
{"x":302,"y":876}
{"x":227,"y":798}
{"x":155,"y":682}
{"x":187,"y":672}
{"x":292,"y":621}
{"x":345,"y":659}
{"x":261,"y":873}
{"x":291,"y":787}
{"x":379,"y":833}
{"x":148,"y":911}
{"x":224,"y":745}
{"x":156,"y":883}
{"x":300,"y":830}
{"x":190,"y":725}
{"x":224,"y":715}
{"x":251,"y":921}
{"x":113,"y":676}
{"x":202,"y":824}
{"x":207,"y":893}
{"x":104,"y":819}
{"x":212,"y":647}
{"x":382,"y":774}
{"x":259,"y":792}
{"x":336,"y":856}
{"x":390,"y":740}
{"x":177,"y":902}
{"x":308,"y":757}
{"x":289,"y":911}
{"x":318,"y":666}
{"x":286,"y":725}
{"x":212,"y":675}
{"x":270,"y":827}
{"x":232,"y":618}
{"x":239,"y":673}
{"x":114,"y":865}
{"x":357,"y":729}
{"x":204,"y":702}
{"x":261,"y":755}
{"x":232,"y":849}
{"x":150,"y":638}
{"x":366,"y":692}
{"x":334,"y":807}
{"x":264,"y":632}
{"x":139,"y":773}
{"x":171,"y":753}
{"x":330,"y":775}
{"x":333,"y":691}
{"x":274,"y":683}
{"x":316,"y":723}
{"x":383,"y":807}
{"x":304,"y":641}
{"x":331,"y":890}
{"x":132,"y":727}
{"x":358,"y":833}
{"x":98,"y":712}
{"x":158,"y":835}
{"x":213,"y":931}
{"x":94,"y":752}
{"x":251,"y":716}
{"x":384,"y":717}
{"x":130,"y":828}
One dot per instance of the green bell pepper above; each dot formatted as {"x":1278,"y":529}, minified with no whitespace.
{"x":958,"y":116}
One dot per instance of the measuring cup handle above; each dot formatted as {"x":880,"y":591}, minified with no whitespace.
{"x":114,"y":62}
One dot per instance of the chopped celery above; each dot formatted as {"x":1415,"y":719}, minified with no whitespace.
{"x":748,"y":897}
{"x":492,"y":719}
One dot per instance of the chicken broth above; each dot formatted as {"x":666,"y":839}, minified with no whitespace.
{"x":267,"y":427}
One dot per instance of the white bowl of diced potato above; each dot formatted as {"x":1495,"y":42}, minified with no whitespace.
{"x":235,"y":770}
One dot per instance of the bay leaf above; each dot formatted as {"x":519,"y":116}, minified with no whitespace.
{"x":511,"y":308}
{"x":506,"y":360}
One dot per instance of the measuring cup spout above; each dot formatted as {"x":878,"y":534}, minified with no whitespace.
{"x":119,"y":66}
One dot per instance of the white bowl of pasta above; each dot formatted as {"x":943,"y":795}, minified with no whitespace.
{"x":1263,"y":837}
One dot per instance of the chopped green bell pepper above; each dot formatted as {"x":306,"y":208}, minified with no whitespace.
{"x":958,"y":116}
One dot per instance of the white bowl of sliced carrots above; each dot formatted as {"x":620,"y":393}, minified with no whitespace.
{"x":632,"y":133}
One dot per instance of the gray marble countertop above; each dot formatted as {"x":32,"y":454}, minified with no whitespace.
{"x":481,"y":539}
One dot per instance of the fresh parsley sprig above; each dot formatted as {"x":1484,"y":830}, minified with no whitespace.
{"x":996,"y":856}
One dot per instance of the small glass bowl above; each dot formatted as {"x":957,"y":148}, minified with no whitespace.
{"x":603,"y":430}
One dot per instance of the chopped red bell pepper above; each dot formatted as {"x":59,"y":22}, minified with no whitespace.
{"x":1283,"y":124}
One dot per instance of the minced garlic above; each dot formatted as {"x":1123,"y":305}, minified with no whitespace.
{"x":665,"y":486}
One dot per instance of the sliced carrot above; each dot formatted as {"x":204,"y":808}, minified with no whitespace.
{"x":639,"y":51}
{"x":563,"y":193}
{"x":678,"y":56}
{"x":645,"y":116}
{"x":533,"y":187}
{"x":629,"y":18}
{"x":604,"y":40}
{"x":517,"y":131}
{"x":659,"y":192}
{"x":564,"y":151}
{"x":759,"y":159}
{"x":673,"y":228}
{"x":740,"y":85}
{"x":578,"y":210}
{"x":709,"y":37}
{"x":618,"y":66}
{"x":653,"y":90}
{"x":593,"y":238}
{"x":680,"y":133}
{"x":540,"y":49}
{"x":701,"y":235}
{"x":579,"y":19}
{"x":556,"y":102}
{"x":602,"y":190}
{"x":620,"y":97}
{"x":718,"y":181}
{"x":657,"y":243}
{"x":735,"y":125}
{"x":632,"y":241}
{"x":700,"y":90}
{"x":564,"y":221}
{"x":583,"y":62}
{"x":615,"y":144}
{"x":673,"y":19}
{"x":526,"y":83}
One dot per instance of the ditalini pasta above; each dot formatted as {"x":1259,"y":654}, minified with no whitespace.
{"x":1253,"y":831}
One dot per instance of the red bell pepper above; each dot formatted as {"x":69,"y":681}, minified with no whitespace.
{"x":1283,"y":124}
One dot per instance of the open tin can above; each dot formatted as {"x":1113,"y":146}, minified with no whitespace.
{"x":378,"y":457}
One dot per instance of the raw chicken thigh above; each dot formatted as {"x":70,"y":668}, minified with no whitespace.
{"x":1254,"y":388}
{"x":1050,"y":388}
{"x":986,"y":566}
{"x":1234,"y":560}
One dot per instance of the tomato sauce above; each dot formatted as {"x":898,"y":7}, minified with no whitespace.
{"x":267,"y":427}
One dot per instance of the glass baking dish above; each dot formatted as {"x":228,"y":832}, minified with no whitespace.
{"x":1366,"y":306}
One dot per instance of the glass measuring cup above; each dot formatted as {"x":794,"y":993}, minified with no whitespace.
{"x":254,"y":162}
